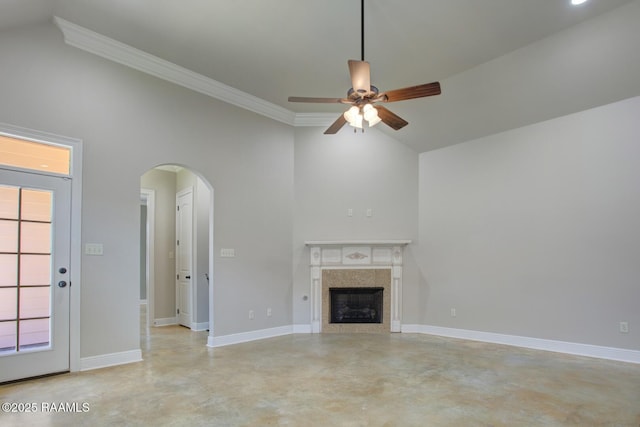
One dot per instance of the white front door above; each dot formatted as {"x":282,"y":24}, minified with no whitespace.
{"x":184,"y":238}
{"x":34,"y":274}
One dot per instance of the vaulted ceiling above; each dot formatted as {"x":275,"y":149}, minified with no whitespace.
{"x":502,"y":63}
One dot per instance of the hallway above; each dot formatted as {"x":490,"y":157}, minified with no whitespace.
{"x":337,"y":380}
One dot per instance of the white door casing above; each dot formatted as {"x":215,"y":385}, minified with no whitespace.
{"x":54,"y":356}
{"x":184,"y":256}
{"x":150,"y":197}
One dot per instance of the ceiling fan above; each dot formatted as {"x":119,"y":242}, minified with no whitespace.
{"x":364,"y":97}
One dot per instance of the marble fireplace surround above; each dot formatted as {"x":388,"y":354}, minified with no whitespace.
{"x":358,"y":263}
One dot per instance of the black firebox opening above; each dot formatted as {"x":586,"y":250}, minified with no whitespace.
{"x":356,"y":305}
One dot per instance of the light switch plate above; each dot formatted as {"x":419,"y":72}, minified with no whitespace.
{"x":227,"y":253}
{"x":93,"y":249}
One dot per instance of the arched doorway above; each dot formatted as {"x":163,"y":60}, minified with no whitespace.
{"x":176,"y":256}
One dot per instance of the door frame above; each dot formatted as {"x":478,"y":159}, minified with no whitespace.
{"x":75,"y":256}
{"x":150,"y":197}
{"x":192,"y":267}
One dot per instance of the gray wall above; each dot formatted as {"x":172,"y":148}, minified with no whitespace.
{"x":535,"y":232}
{"x":358,"y":171}
{"x":164,"y":287}
{"x":130,"y":122}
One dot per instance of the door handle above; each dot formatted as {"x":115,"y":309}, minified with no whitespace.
{"x":187,"y":277}
{"x":62,"y":284}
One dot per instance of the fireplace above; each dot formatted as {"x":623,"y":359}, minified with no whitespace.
{"x":355,"y":305}
{"x":356,"y":300}
{"x":363,"y":264}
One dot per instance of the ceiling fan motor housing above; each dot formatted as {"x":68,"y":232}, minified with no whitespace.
{"x":359,"y":95}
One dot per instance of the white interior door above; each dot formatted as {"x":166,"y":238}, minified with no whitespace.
{"x":184,"y":251}
{"x":34,"y":274}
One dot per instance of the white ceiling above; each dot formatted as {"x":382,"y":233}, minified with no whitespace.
{"x":502,"y":63}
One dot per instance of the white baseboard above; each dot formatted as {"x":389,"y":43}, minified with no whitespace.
{"x":412,"y":329}
{"x":111,"y":359}
{"x":167,"y":321}
{"x":302,"y":329}
{"x":202,"y":326}
{"x":600,"y":352}
{"x":241,"y":337}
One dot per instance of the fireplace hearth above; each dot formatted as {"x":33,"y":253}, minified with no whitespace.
{"x":356,"y":305}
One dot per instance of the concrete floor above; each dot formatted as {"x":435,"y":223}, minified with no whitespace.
{"x":337,"y":380}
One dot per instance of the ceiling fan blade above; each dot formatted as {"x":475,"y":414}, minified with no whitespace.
{"x":336,"y":126}
{"x":412,"y":92}
{"x":315,"y":100}
{"x":360,"y":76}
{"x":390,"y":119}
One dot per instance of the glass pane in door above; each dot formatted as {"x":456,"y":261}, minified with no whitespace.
{"x":8,"y":202}
{"x":8,"y":304}
{"x":25,"y":268}
{"x":35,"y":270}
{"x":8,"y":337}
{"x":35,"y":237}
{"x":8,"y":235}
{"x":34,"y":302}
{"x":8,"y":270}
{"x":33,"y":333}
{"x":36,"y":205}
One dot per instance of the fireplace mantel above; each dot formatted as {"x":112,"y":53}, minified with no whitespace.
{"x":322,"y":243}
{"x":359,"y":254}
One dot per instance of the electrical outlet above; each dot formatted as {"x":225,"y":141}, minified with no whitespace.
{"x":453,"y":312}
{"x":624,"y":327}
{"x":350,"y":212}
{"x":252,"y":315}
{"x":269,"y":312}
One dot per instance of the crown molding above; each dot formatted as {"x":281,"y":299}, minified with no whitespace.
{"x":314,"y":119}
{"x":90,"y":41}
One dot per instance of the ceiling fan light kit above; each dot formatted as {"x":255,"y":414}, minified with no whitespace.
{"x":356,"y":115}
{"x":370,"y":114}
{"x":364,"y":97}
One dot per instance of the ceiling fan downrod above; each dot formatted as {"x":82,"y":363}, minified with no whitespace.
{"x":362,"y":30}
